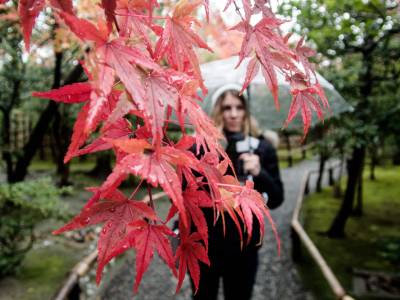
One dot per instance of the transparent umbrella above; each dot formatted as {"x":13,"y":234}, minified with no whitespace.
{"x":221,"y":72}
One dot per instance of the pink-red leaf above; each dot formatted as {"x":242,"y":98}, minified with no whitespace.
{"x":73,"y":93}
{"x":192,"y":197}
{"x":149,"y":237}
{"x":189,"y":253}
{"x":118,"y":130}
{"x":178,"y":41}
{"x":81,"y":132}
{"x":116,"y":212}
{"x":156,"y":168}
{"x":159,"y":94}
{"x":28,"y":11}
{"x":84,"y":29}
{"x":109,"y":8}
{"x":64,"y":5}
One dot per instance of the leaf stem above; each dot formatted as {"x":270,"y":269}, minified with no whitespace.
{"x":136,"y":189}
{"x":150,"y":196}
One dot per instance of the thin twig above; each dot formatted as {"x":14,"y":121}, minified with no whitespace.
{"x":238,"y":11}
{"x":136,"y":189}
{"x":150,"y":196}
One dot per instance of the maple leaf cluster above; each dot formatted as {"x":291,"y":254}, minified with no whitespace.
{"x":141,"y":69}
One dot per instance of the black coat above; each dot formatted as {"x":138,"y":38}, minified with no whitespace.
{"x":268,"y":181}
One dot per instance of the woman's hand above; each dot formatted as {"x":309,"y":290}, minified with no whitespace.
{"x":251,"y":163}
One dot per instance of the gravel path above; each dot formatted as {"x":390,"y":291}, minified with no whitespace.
{"x":277,"y":277}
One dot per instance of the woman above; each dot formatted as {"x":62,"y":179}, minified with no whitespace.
{"x":254,"y":159}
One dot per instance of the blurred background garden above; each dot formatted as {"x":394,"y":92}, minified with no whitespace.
{"x":351,"y":204}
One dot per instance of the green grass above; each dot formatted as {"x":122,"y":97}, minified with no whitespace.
{"x":372,"y":241}
{"x":76,"y":165}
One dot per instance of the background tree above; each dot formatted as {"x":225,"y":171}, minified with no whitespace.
{"x":361,"y":39}
{"x":20,"y":73}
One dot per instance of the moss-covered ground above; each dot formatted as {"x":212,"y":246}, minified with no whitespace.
{"x":372,"y":241}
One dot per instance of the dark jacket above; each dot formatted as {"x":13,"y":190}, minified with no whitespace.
{"x":268,"y":181}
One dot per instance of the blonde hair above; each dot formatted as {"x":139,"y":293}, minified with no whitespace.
{"x":216,"y":114}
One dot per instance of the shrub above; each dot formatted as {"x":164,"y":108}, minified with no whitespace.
{"x":22,"y":206}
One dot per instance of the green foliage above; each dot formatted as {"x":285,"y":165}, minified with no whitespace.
{"x":23,"y":206}
{"x":372,"y":241}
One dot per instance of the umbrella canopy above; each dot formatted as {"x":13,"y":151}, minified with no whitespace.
{"x":221,"y":72}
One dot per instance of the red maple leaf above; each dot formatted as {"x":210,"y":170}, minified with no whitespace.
{"x":189,"y":253}
{"x":134,"y":22}
{"x":304,"y":52}
{"x":270,"y":51}
{"x":304,"y":100}
{"x":72,"y":93}
{"x":159,"y":94}
{"x":193,"y":200}
{"x":64,"y":5}
{"x":263,"y":40}
{"x":146,"y":238}
{"x":28,"y":11}
{"x":117,"y":130}
{"x":116,"y":212}
{"x":109,"y":8}
{"x":178,"y":39}
{"x":75,"y":93}
{"x":253,"y":204}
{"x":156,"y":167}
{"x":80,"y":133}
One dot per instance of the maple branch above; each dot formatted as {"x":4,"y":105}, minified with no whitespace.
{"x":238,"y":11}
{"x":140,"y":16}
{"x":229,"y":185}
{"x":116,"y":23}
{"x":150,"y":196}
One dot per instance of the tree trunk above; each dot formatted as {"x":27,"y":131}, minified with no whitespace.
{"x":40,"y":129}
{"x":374,"y":162}
{"x":103,"y":165}
{"x":396,"y":152}
{"x":61,"y":131}
{"x":322,"y":161}
{"x":354,"y":166}
{"x":372,"y":171}
{"x":337,"y":187}
{"x":358,"y":209}
{"x":7,"y":157}
{"x":42,"y":151}
{"x":303,"y":152}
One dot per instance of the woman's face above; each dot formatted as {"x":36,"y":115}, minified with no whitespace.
{"x":233,"y":113}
